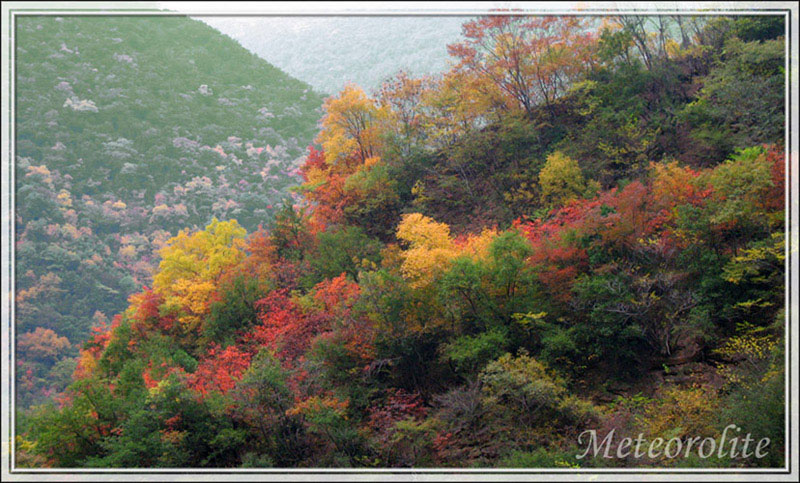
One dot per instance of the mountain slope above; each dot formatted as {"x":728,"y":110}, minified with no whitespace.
{"x":127,"y":130}
{"x":477,"y":275}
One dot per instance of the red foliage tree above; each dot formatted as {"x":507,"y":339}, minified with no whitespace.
{"x":337,"y":295}
{"x":219,"y":370}
{"x":283,"y":327}
{"x":398,"y":405}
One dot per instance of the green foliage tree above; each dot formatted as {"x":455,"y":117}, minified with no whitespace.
{"x":726,"y":115}
{"x":235,"y":310}
{"x":345,"y":250}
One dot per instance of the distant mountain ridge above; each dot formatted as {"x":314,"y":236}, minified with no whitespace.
{"x":330,"y":51}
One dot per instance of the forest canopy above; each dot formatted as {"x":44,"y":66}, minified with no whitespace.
{"x":577,"y":226}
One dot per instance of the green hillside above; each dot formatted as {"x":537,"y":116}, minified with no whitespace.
{"x":127,"y":130}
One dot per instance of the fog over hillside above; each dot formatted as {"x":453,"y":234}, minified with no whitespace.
{"x":328,"y":52}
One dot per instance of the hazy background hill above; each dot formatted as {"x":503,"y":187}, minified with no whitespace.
{"x":328,"y":52}
{"x":127,"y":130}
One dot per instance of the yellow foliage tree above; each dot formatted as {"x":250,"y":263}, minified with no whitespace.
{"x":352,"y":126}
{"x":456,"y":104}
{"x":672,"y":184}
{"x":682,"y":412}
{"x":191,"y":266}
{"x":431,"y":248}
{"x":561,"y":180}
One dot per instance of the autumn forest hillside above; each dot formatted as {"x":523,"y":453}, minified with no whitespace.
{"x":578,"y":226}
{"x":129,"y":129}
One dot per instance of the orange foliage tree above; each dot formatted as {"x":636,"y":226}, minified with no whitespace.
{"x":531,"y":60}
